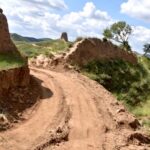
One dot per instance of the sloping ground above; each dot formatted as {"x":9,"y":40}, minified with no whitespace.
{"x":90,"y":49}
{"x":75,"y":113}
{"x":84,"y":51}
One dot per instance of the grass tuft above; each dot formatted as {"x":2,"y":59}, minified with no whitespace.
{"x":11,"y":60}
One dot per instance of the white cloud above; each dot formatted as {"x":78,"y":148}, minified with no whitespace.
{"x":38,"y":18}
{"x":88,"y":9}
{"x":139,"y":37}
{"x":137,"y":8}
{"x":142,"y":34}
{"x":14,"y":7}
{"x":31,"y":15}
{"x":57,"y":4}
{"x":90,"y":21}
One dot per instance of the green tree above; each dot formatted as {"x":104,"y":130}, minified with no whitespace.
{"x":125,"y":45}
{"x":146,"y":48}
{"x":120,"y":33}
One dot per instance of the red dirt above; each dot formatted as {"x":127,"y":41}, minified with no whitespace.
{"x":74,"y":113}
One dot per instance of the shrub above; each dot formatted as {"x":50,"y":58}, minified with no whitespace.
{"x":105,"y":39}
{"x":130,"y":83}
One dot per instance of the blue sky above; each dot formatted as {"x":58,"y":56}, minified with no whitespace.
{"x":48,"y":18}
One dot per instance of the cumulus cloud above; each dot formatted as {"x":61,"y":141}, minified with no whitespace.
{"x":137,"y":8}
{"x":59,"y":4}
{"x":15,"y":7}
{"x":141,"y":33}
{"x":39,"y":18}
{"x":89,"y":21}
{"x":29,"y":17}
{"x":139,"y":37}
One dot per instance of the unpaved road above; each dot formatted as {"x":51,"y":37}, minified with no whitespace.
{"x":74,"y":113}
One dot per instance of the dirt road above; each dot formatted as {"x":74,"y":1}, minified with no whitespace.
{"x":74,"y":113}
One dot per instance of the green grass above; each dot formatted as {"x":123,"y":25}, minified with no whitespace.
{"x":11,"y":60}
{"x":143,"y":109}
{"x":45,"y":47}
{"x":129,"y":83}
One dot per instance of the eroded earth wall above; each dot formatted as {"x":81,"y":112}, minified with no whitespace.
{"x":94,"y":49}
{"x":6,"y":45}
{"x":17,"y":77}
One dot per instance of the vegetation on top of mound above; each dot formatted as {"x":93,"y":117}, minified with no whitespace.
{"x":11,"y":60}
{"x":130,"y":83}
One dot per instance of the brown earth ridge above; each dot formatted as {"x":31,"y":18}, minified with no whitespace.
{"x":14,"y":82}
{"x":83,"y":52}
{"x":90,"y":49}
{"x":16,"y":76}
{"x":6,"y":44}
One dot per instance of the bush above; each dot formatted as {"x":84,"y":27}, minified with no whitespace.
{"x":70,"y":45}
{"x":105,"y":39}
{"x":128,"y":82}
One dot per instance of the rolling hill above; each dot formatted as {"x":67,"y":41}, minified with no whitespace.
{"x":32,"y":47}
{"x":17,"y":37}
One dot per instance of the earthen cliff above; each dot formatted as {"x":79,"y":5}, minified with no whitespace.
{"x":6,"y":44}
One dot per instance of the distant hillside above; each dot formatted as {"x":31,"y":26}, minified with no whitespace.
{"x":32,"y":49}
{"x":17,"y":37}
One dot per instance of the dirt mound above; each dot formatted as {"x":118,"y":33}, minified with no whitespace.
{"x":15,"y":101}
{"x":68,"y":119}
{"x":82,"y":52}
{"x":6,"y":44}
{"x":55,"y":62}
{"x":15,"y":89}
{"x":11,"y":78}
{"x":11,"y":57}
{"x":90,"y":49}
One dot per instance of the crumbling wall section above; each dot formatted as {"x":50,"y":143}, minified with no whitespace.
{"x":94,"y":49}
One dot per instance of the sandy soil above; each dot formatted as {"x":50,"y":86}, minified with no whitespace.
{"x":75,"y":113}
